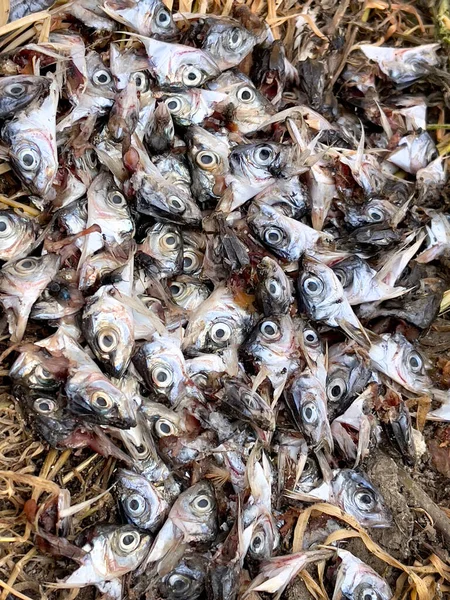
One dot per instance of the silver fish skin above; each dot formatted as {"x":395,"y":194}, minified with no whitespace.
{"x":126,"y":65}
{"x":438,"y":231}
{"x":91,"y":14}
{"x":175,"y":169}
{"x":192,"y":518}
{"x":18,"y":91}
{"x":177,"y":65}
{"x":311,"y":475}
{"x":256,"y":166}
{"x":307,"y":400}
{"x":274,"y":290}
{"x":226,"y":40}
{"x":286,"y":237}
{"x":31,"y":140}
{"x":73,"y":218}
{"x":312,"y":347}
{"x":288,"y":196}
{"x":394,"y":356}
{"x":248,"y":406}
{"x":205,"y":369}
{"x":113,"y":552}
{"x":194,"y":246}
{"x":162,"y":251}
{"x":414,"y":152}
{"x":218,"y":323}
{"x":37,"y":370}
{"x":208,"y":159}
{"x":374,"y":211}
{"x":21,"y":283}
{"x":356,"y":580}
{"x":147,"y":17}
{"x":17,"y":235}
{"x":186,"y":581}
{"x":193,"y":106}
{"x":188,"y":292}
{"x":19,"y":8}
{"x":140,"y":501}
{"x":356,"y":496}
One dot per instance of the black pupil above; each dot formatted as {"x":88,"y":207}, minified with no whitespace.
{"x":3,"y":226}
{"x":108,"y":340}
{"x":203,"y":503}
{"x":235,"y":37}
{"x":274,"y":236}
{"x":161,"y":376}
{"x":17,"y":90}
{"x":179,"y":584}
{"x":176,"y":203}
{"x":246,"y":95}
{"x":257,"y":542}
{"x":128,"y":540}
{"x":165,"y":428}
{"x":308,"y":412}
{"x":414,"y":362}
{"x":172,"y":105}
{"x":175,"y":289}
{"x":366,"y":499}
{"x":187,"y":262}
{"x":163,"y":17}
{"x":192,"y":76}
{"x":272,"y":288}
{"x":376,"y":216}
{"x":269,"y":329}
{"x":335,"y":391}
{"x":102,"y":78}
{"x":28,"y":160}
{"x":170,"y":241}
{"x":312,"y":286}
{"x":138,"y":81}
{"x":101,"y":401}
{"x":140,"y":449}
{"x":220,"y":333}
{"x":134,"y":504}
{"x":264,"y":154}
{"x":310,"y":337}
{"x":117,"y":199}
{"x":27,"y":264}
{"x":368,"y":596}
{"x":44,"y":406}
{"x":207,"y":159}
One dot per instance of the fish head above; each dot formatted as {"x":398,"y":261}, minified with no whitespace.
{"x":147,"y":17}
{"x":259,"y":162}
{"x":357,"y":581}
{"x":32,"y":369}
{"x":174,"y":168}
{"x":264,"y":539}
{"x":186,"y":581}
{"x":17,"y":234}
{"x":195,"y":512}
{"x":247,"y":405}
{"x":227,"y":41}
{"x":188,"y":292}
{"x":164,"y":245}
{"x":274,"y":287}
{"x":100,"y":79}
{"x":49,"y":416}
{"x":128,"y":547}
{"x":18,"y":91}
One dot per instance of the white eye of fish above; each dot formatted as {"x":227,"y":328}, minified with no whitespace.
{"x":273,"y":236}
{"x":309,"y":413}
{"x":170,"y":240}
{"x":341,"y":275}
{"x":176,"y":204}
{"x":5,"y":226}
{"x":174,"y":105}
{"x":117,"y":199}
{"x":42,"y":373}
{"x":310,"y":336}
{"x":15,"y":89}
{"x":364,"y":500}
{"x":235,"y":39}
{"x":26,"y":265}
{"x":192,"y":76}
{"x":129,"y":541}
{"x":29,"y":159}
{"x":162,"y":376}
{"x":91,"y":159}
{"x":177,"y":289}
{"x":247,"y":95}
{"x":202,"y":504}
{"x":141,"y":450}
{"x":366,"y":593}
{"x":250,"y":401}
{"x":141,"y":81}
{"x":163,"y":428}
{"x":163,"y":18}
{"x":273,"y":287}
{"x":375,"y":214}
{"x":101,"y":400}
{"x":107,"y":340}
{"x":135,"y":505}
{"x":263,"y":155}
{"x":190,"y":262}
{"x":336,"y":389}
{"x":207,"y":159}
{"x":179,"y":583}
{"x":44,"y":406}
{"x":200,"y":379}
{"x":415,"y":362}
{"x":257,"y":543}
{"x":101,"y":77}
{"x":313,"y":286}
{"x":270,"y":330}
{"x":220,"y":332}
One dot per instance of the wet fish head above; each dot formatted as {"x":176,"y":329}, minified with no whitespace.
{"x":374,"y":211}
{"x":192,"y":106}
{"x":164,"y":247}
{"x":147,"y":17}
{"x":111,"y":208}
{"x":160,"y":131}
{"x":121,"y":549}
{"x":186,"y":581}
{"x":264,"y":538}
{"x":311,"y":475}
{"x":271,"y":336}
{"x":195,"y":512}
{"x":247,"y":405}
{"x":227,"y":41}
{"x":174,"y":168}
{"x":358,"y":581}
{"x":188,"y":292}
{"x":357,"y":497}
{"x":129,"y":64}
{"x":86,"y":166}
{"x":100,"y":80}
{"x":310,"y":342}
{"x":269,"y":71}
{"x":259,"y":162}
{"x":17,"y":234}
{"x":347,"y":377}
{"x":274,"y":289}
{"x":32,"y":370}
{"x":139,"y":500}
{"x":18,"y":91}
{"x":289,"y":196}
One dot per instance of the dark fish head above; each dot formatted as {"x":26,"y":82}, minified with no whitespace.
{"x":186,"y":581}
{"x":247,"y":405}
{"x":18,"y":91}
{"x":274,"y":288}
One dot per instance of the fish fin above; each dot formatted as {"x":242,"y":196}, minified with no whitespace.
{"x":397,"y":262}
{"x":431,"y":253}
{"x":359,"y":334}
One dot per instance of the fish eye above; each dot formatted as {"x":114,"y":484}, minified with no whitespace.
{"x":179,"y":583}
{"x":220,"y":332}
{"x":192,"y":76}
{"x":177,"y":289}
{"x":91,"y":158}
{"x":141,"y":81}
{"x":162,"y":376}
{"x":366,"y":593}
{"x":26,"y":265}
{"x":176,"y":204}
{"x":270,"y":330}
{"x":163,"y":428}
{"x":129,"y":541}
{"x":202,"y":504}
{"x":342,"y":276}
{"x":376,"y":214}
{"x":200,"y":379}
{"x":29,"y":159}
{"x":44,"y":406}
{"x":101,"y":400}
{"x":163,"y":18}
{"x":6,"y":226}
{"x":135,"y":505}
{"x":141,"y":450}
{"x":263,"y":155}
{"x":257,"y":543}
{"x":191,"y":262}
{"x":101,"y":77}
{"x":107,"y":340}
{"x":174,"y":105}
{"x":117,"y":198}
{"x":15,"y":89}
{"x":250,"y":401}
{"x":247,"y":94}
{"x":273,"y":236}
{"x":310,"y":336}
{"x":313,"y":286}
{"x":273,"y":287}
{"x":207,"y":160}
{"x":235,"y":39}
{"x":336,"y":389}
{"x":42,"y":373}
{"x":415,"y":362}
{"x":170,"y":240}
{"x":309,"y":413}
{"x":365,"y":500}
